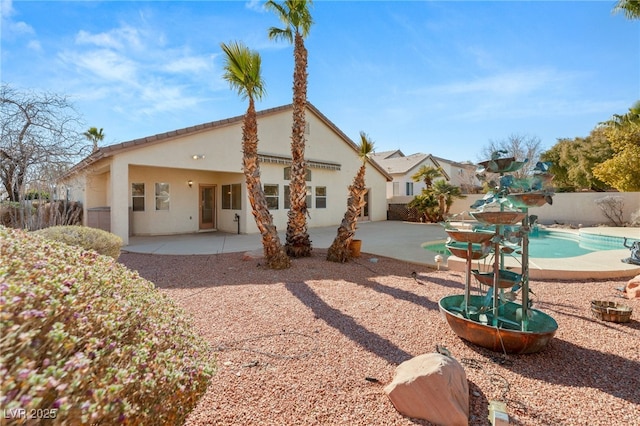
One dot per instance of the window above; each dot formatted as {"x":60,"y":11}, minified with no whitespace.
{"x":409,"y":188}
{"x":162,"y":196}
{"x":396,"y":188}
{"x":287,"y":197}
{"x":231,"y":197}
{"x":287,"y":174}
{"x":271,"y":193}
{"x":321,"y":197}
{"x":137,"y":197}
{"x":236,"y":196}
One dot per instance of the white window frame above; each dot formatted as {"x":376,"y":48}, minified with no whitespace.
{"x":273,"y":199}
{"x":136,"y":195}
{"x":323,"y":204}
{"x":162,"y":196}
{"x":409,"y":188}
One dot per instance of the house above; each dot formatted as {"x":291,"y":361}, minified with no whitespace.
{"x":460,"y":174}
{"x":402,"y":167}
{"x":191,"y":180}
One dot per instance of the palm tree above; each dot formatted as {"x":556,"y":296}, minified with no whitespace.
{"x":426,"y":205}
{"x":242,"y":71}
{"x":631,"y":8}
{"x":631,"y":119}
{"x":446,"y":195}
{"x":295,"y":15}
{"x":426,"y":174}
{"x":339,"y":250}
{"x":95,"y":136}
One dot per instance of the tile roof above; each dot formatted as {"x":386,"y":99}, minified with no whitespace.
{"x":111,"y":150}
{"x":382,"y":155}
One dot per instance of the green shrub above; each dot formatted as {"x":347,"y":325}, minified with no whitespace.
{"x":84,"y":336}
{"x":34,"y":194}
{"x":88,"y":238}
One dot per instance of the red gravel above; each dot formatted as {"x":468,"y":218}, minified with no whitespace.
{"x":297,"y":346}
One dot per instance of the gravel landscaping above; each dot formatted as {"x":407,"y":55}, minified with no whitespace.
{"x":317,"y":343}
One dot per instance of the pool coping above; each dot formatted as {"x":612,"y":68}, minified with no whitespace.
{"x":606,"y":264}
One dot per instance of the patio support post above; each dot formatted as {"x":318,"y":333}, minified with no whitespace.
{"x":119,"y":183}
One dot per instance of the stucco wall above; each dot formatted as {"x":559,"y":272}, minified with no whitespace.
{"x":214,"y":157}
{"x":569,"y":208}
{"x":221,"y":151}
{"x":322,"y":144}
{"x":183,"y":213}
{"x":96,"y":193}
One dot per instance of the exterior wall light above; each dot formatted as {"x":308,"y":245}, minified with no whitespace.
{"x":190,"y":183}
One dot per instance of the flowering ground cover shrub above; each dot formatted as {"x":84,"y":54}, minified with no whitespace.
{"x":87,"y":341}
{"x":88,"y":238}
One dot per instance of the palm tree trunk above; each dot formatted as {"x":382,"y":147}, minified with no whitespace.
{"x":442,"y":206}
{"x":339,"y":250}
{"x":298,"y":243}
{"x":274,"y":254}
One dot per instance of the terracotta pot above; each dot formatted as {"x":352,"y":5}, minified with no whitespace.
{"x":354,"y":247}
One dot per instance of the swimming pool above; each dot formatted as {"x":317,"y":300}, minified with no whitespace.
{"x":554,"y":244}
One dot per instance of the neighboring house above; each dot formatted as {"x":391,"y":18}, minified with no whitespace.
{"x":191,"y":180}
{"x":401,"y":167}
{"x":461,"y":174}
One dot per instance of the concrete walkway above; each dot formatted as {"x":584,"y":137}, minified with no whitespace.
{"x":403,"y":241}
{"x":400,"y":240}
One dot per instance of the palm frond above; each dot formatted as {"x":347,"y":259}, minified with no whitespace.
{"x":294,"y":14}
{"x":366,"y":146}
{"x":630,"y":8}
{"x":242,"y":70}
{"x":301,"y":16}
{"x":281,"y":34}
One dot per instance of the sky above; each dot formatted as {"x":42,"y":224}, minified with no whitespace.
{"x":439,"y":77}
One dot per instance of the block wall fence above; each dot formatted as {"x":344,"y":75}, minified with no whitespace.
{"x":573,"y":208}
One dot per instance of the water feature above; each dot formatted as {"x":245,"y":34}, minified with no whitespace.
{"x":494,"y":320}
{"x":545,"y":244}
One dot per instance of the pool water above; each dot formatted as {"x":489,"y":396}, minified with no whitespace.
{"x":550,"y":244}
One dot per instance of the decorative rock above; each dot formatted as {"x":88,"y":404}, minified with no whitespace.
{"x":253,"y":255}
{"x":432,"y":387}
{"x":633,"y":288}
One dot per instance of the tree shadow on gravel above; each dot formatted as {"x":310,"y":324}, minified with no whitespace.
{"x":400,"y":294}
{"x":560,"y":363}
{"x":443,"y":282}
{"x":567,"y":364}
{"x":345,"y":324}
{"x":198,"y":271}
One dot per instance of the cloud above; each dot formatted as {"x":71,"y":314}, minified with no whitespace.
{"x":20,"y":28}
{"x":193,"y":64}
{"x":517,"y":94}
{"x":130,"y":66}
{"x":160,"y":98}
{"x":103,"y":63}
{"x":11,"y":27}
{"x":255,"y":5}
{"x":34,"y":45}
{"x":118,"y":38}
{"x":6,"y":8}
{"x":505,"y":84}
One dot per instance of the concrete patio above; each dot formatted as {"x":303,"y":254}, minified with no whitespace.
{"x":403,"y":241}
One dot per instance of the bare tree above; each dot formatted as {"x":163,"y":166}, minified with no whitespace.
{"x":519,"y":146}
{"x":38,"y":131}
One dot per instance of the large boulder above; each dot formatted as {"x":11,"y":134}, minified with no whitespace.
{"x":632,"y":288}
{"x":432,"y":387}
